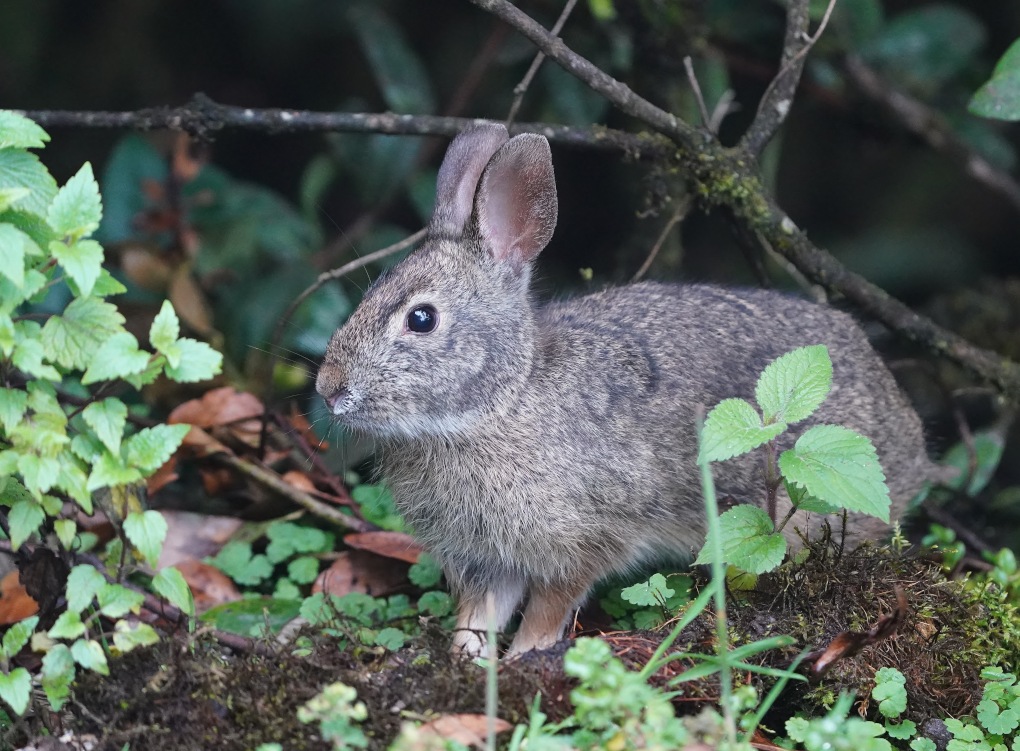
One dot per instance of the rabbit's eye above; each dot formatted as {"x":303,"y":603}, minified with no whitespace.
{"x":422,"y":320}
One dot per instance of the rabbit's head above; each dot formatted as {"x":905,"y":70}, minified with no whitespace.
{"x":447,"y":335}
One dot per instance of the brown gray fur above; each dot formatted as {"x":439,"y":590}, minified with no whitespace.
{"x":537,"y":448}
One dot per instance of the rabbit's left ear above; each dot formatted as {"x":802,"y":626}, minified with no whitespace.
{"x":458,"y":176}
{"x":516,"y":201}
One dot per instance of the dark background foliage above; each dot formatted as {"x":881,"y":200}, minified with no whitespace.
{"x":886,"y":202}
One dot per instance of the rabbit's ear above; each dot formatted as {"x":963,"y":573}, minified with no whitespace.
{"x":516,"y":200}
{"x":458,"y":177}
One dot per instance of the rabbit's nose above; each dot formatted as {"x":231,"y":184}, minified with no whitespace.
{"x":338,"y":401}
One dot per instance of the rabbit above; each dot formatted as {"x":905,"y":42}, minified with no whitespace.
{"x":537,"y":448}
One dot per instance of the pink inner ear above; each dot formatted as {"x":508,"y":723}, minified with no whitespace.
{"x":458,"y":176}
{"x":516,"y":201}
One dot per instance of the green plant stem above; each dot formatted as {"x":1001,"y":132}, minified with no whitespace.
{"x":771,"y":480}
{"x":719,"y":588}
{"x":491,"y":676}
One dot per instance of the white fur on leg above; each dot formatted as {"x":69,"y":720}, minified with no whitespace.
{"x":469,"y":638}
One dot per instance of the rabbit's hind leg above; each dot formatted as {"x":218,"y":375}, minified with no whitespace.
{"x":549,"y":607}
{"x":472,"y":618}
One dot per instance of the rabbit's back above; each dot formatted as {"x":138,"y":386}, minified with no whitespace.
{"x":593,"y":464}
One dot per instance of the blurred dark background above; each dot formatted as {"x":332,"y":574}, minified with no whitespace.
{"x":251,"y":218}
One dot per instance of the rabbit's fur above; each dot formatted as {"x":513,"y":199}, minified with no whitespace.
{"x":537,"y":448}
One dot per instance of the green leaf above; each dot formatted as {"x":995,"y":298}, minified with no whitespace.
{"x":28,"y":356}
{"x":7,"y":333}
{"x":923,"y":744}
{"x":146,"y":530}
{"x":24,"y":519}
{"x":997,"y":720}
{"x":83,"y":584}
{"x":391,"y":639}
{"x":57,"y":675}
{"x":436,"y":603}
{"x":19,"y":132}
{"x":235,"y":559}
{"x":72,"y":338}
{"x":286,"y":539}
{"x":109,"y":471}
{"x":732,"y":428}
{"x":127,"y":636}
{"x":987,"y":447}
{"x":149,"y":449}
{"x":793,"y":386}
{"x":303,"y":570}
{"x":170,"y":584}
{"x":377,"y":506}
{"x":90,"y":656}
{"x":82,"y":260}
{"x":999,"y":97}
{"x":66,"y":531}
{"x":198,"y":362}
{"x":250,"y":616}
{"x":10,"y":196}
{"x":15,"y":687}
{"x":804,"y":501}
{"x":12,"y":407}
{"x":13,"y":246}
{"x":924,"y":48}
{"x":117,"y":357}
{"x":77,"y":208}
{"x":107,"y":418}
{"x":749,"y":540}
{"x":17,"y":636}
{"x":426,"y":572}
{"x":116,"y":600}
{"x":164,"y":330}
{"x":839,"y":467}
{"x":20,"y":169}
{"x":651,"y":592}
{"x":890,"y":692}
{"x":67,"y":626}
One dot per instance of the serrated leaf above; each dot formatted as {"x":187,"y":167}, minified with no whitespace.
{"x":117,"y":357}
{"x":10,"y":196}
{"x":73,"y":481}
{"x":67,"y":626}
{"x":83,"y":584}
{"x":109,"y":471}
{"x":839,"y":467}
{"x":164,"y":330}
{"x":13,"y":403}
{"x":793,"y":386}
{"x":999,"y":97}
{"x":127,"y":636}
{"x":82,"y":260}
{"x":804,"y":501}
{"x":15,"y":687}
{"x":171,"y":585}
{"x":732,"y":428}
{"x":66,"y":530}
{"x":20,"y":132}
{"x":77,"y":208}
{"x":655,"y":591}
{"x":17,"y":636}
{"x":149,"y":449}
{"x":107,"y":418}
{"x":90,"y":656}
{"x":24,"y":519}
{"x":146,"y":530}
{"x":107,"y":285}
{"x":7,"y":335}
{"x":13,"y":249}
{"x":116,"y":600}
{"x":436,"y":603}
{"x":391,"y":638}
{"x":749,"y":540}
{"x":198,"y":362}
{"x":72,"y":338}
{"x":28,"y":357}
{"x":20,"y":169}
{"x":57,"y":675}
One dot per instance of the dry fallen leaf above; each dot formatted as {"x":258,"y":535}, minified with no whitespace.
{"x":190,"y":535}
{"x":358,"y":571}
{"x":469,"y":729}
{"x":15,"y":603}
{"x":849,"y":643}
{"x":396,"y":545}
{"x":208,"y":584}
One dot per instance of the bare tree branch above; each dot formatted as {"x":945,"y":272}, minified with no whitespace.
{"x":931,"y":126}
{"x":775,"y":102}
{"x":730,"y":177}
{"x":204,"y":118}
{"x":521,"y":89}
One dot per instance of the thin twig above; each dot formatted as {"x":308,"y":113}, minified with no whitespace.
{"x":683,"y":205}
{"x":932,"y":127}
{"x":775,"y":102}
{"x":698,"y":96}
{"x":521,"y":89}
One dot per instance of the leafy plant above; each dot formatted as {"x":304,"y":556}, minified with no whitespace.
{"x":338,"y":713}
{"x":63,"y":347}
{"x":830,"y":468}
